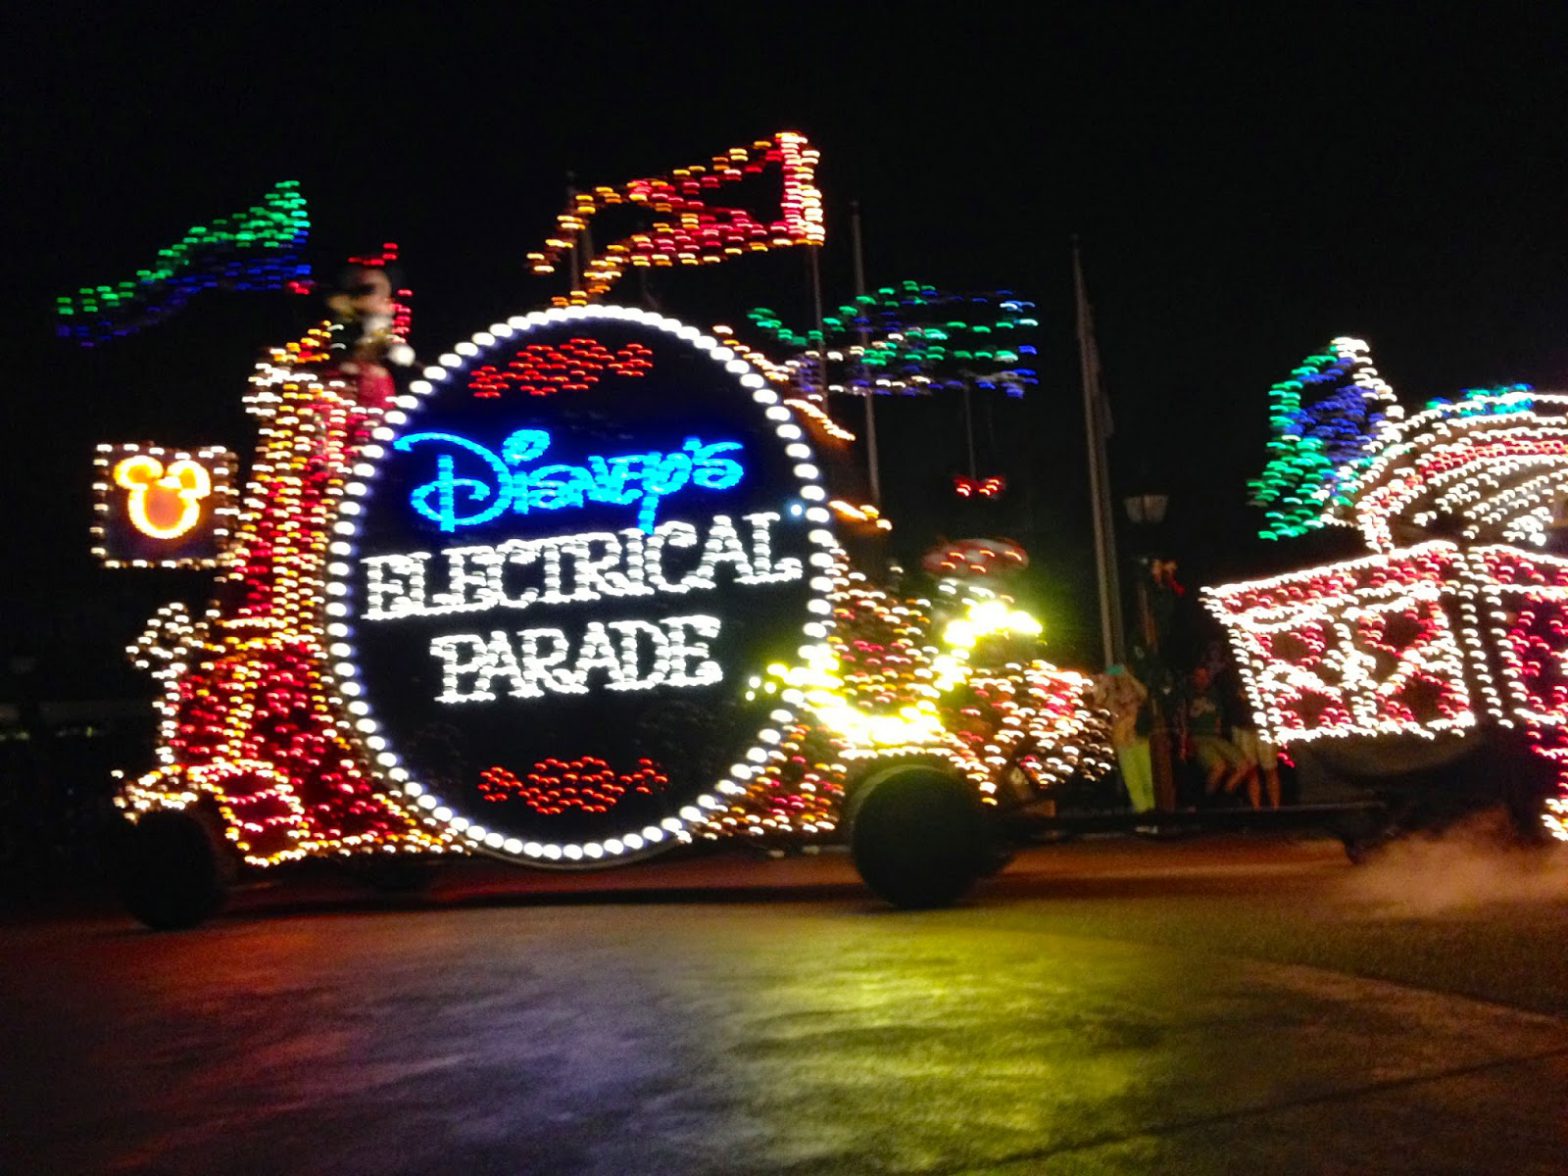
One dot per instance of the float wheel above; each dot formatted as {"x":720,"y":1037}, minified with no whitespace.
{"x":171,"y":871}
{"x":1362,"y":838}
{"x":919,"y":837}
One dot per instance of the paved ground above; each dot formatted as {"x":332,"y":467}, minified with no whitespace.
{"x":1209,"y":1005}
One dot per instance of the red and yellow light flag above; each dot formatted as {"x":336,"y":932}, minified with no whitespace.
{"x":689,"y":227}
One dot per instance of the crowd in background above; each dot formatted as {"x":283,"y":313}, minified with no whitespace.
{"x":1187,"y":739}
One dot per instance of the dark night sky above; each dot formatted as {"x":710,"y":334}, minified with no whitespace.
{"x":1245,"y":189}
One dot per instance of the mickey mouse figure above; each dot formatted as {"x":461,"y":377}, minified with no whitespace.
{"x":364,"y":338}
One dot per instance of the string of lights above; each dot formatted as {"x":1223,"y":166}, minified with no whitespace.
{"x":917,"y":339}
{"x":257,"y":249}
{"x":913,"y":339}
{"x":894,"y":681}
{"x":1454,"y":622}
{"x":264,"y":708}
{"x":155,"y":507}
{"x":689,"y":228}
{"x":249,"y":718}
{"x":556,"y":786}
{"x":1485,"y":468}
{"x":879,"y":686}
{"x":1324,"y":419}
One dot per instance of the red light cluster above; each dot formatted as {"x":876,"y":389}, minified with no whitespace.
{"x":687,"y":229}
{"x":975,"y":557}
{"x":402,"y":312}
{"x":541,"y":369}
{"x":967,"y":487}
{"x":887,"y":659}
{"x":589,"y":784}
{"x":880,"y":653}
{"x":1368,"y":645}
{"x":1536,"y":647}
{"x":250,"y":716}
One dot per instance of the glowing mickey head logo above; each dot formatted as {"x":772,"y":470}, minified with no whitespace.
{"x":163,"y":503}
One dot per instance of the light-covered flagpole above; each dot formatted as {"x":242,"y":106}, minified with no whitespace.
{"x":874,"y":474}
{"x":814,"y":267}
{"x":1097,"y":426}
{"x":580,"y":247}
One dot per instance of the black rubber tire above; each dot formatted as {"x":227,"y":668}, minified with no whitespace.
{"x":999,"y":854}
{"x":1528,"y":781}
{"x":919,"y":837}
{"x":171,"y":875}
{"x":1364,"y":835}
{"x":1360,"y":851}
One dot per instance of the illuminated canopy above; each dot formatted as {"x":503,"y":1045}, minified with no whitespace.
{"x":1454,"y":623}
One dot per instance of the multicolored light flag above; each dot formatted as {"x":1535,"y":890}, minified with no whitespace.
{"x":689,"y":226}
{"x":913,"y":339}
{"x":1323,"y":419}
{"x":259,"y":248}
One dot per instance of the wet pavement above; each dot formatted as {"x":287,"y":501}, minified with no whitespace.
{"x":1212,"y":1005}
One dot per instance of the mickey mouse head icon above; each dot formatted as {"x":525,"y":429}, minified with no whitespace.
{"x":163,"y":502}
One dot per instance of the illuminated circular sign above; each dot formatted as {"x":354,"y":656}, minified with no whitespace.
{"x":566,"y":552}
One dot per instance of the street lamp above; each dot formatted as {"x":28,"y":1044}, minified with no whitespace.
{"x":1146,"y":510}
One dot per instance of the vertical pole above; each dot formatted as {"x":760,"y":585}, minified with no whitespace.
{"x":822,"y":335}
{"x":969,"y":425}
{"x":1160,"y":734}
{"x":1099,"y":471}
{"x":873,"y":472}
{"x":576,"y":268}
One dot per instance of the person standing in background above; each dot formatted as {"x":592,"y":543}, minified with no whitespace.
{"x":1119,"y":692}
{"x":1243,"y":728}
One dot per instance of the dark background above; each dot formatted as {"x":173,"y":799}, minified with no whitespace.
{"x":1246,"y":183}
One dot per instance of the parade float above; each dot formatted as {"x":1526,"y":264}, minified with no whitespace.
{"x":1444,"y":648}
{"x":569,"y":595}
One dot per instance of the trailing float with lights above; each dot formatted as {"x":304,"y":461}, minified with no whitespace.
{"x":1450,"y":641}
{"x":573,"y":597}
